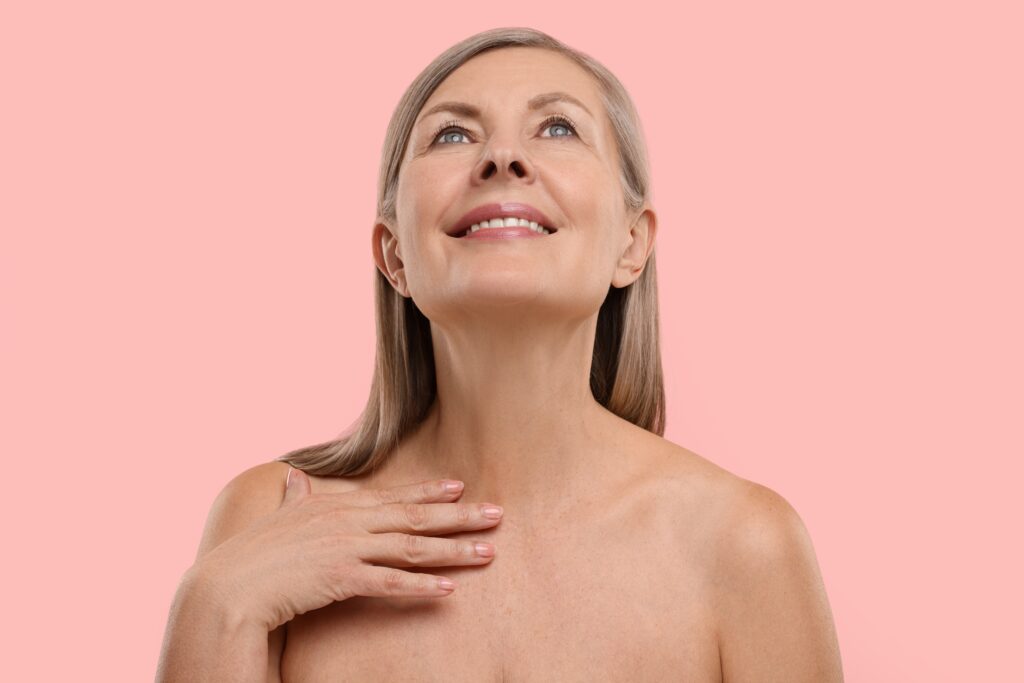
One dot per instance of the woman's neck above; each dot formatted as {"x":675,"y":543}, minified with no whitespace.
{"x":514,"y":416}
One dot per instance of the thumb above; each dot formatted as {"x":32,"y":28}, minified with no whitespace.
{"x":296,"y":486}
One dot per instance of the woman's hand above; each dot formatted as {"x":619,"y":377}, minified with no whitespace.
{"x":322,"y":548}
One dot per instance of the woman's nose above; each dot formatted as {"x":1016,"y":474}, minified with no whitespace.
{"x":503,"y":160}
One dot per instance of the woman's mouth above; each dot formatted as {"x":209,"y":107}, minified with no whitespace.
{"x":504,"y":228}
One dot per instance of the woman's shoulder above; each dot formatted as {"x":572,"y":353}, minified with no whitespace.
{"x":262,"y":477}
{"x":249,"y":495}
{"x":255,"y":492}
{"x":729,"y":508}
{"x":256,"y":489}
{"x":267,"y":480}
{"x":741,"y":524}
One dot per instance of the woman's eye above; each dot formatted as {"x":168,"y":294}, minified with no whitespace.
{"x":441,"y":137}
{"x":446,"y":133}
{"x":560,"y":123}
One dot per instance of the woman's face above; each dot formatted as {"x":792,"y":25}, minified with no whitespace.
{"x":513,"y":152}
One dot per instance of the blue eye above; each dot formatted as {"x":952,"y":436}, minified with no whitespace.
{"x":558,"y":120}
{"x":456,"y":131}
{"x":453,"y":127}
{"x":445,"y":128}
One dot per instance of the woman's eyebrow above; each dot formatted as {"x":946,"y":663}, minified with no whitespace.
{"x":469,"y":111}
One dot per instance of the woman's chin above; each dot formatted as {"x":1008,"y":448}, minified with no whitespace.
{"x":502,"y":293}
{"x":484,"y":299}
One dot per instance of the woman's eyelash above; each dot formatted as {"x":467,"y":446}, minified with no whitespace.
{"x":445,"y":126}
{"x":559,"y":118}
{"x":554,"y":118}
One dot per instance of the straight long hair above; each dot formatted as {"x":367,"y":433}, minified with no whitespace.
{"x":626,"y":372}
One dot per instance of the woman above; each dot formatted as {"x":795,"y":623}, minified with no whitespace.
{"x":523,"y":362}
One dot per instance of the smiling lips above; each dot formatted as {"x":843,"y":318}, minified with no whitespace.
{"x":499,"y":228}
{"x":502,"y":221}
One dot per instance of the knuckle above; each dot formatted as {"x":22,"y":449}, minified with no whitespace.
{"x":415,"y":515}
{"x":346,"y":590}
{"x":384,"y":496}
{"x":341,"y":577}
{"x":392,"y":580}
{"x":462,"y":513}
{"x":336,"y":573}
{"x":414,"y":547}
{"x":344,"y":543}
{"x":456,"y":549}
{"x":339,"y":514}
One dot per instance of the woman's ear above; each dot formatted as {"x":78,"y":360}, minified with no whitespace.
{"x":640,"y":243}
{"x":388,"y":257}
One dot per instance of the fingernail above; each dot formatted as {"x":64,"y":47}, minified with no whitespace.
{"x":453,"y":486}
{"x":492,"y":511}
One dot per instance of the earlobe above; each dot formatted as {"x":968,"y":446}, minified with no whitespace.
{"x":388,"y":257}
{"x":637,"y":251}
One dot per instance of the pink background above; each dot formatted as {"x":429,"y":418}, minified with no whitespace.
{"x":187,"y":195}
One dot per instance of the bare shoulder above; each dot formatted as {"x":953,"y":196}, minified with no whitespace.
{"x":773,"y":621}
{"x":741,"y":513}
{"x":774,"y":618}
{"x":748,"y":525}
{"x":257,"y":479}
{"x":253,"y":493}
{"x":760,"y":525}
{"x":698,"y":490}
{"x":765,"y":589}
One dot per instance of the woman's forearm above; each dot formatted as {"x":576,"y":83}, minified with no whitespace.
{"x":207,"y":641}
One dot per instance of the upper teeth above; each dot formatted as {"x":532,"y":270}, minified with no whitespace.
{"x":509,"y":222}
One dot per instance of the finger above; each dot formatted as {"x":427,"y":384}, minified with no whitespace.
{"x":437,"y":518}
{"x":296,"y":486}
{"x":412,"y":550}
{"x":428,"y":491}
{"x":388,"y":581}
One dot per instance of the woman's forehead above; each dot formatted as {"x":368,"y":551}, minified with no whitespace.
{"x":519,"y":77}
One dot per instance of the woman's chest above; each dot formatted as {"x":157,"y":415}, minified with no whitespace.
{"x":606,"y":600}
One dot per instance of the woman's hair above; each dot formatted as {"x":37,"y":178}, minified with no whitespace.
{"x":625,"y":375}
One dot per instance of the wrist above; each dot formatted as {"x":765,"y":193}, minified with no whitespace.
{"x":204,"y":591}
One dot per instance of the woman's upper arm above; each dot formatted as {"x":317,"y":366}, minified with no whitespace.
{"x":775,"y":623}
{"x":256,"y":492}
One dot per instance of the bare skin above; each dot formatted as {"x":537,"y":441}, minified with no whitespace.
{"x":513,"y":321}
{"x":607,"y":581}
{"x":621,"y":556}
